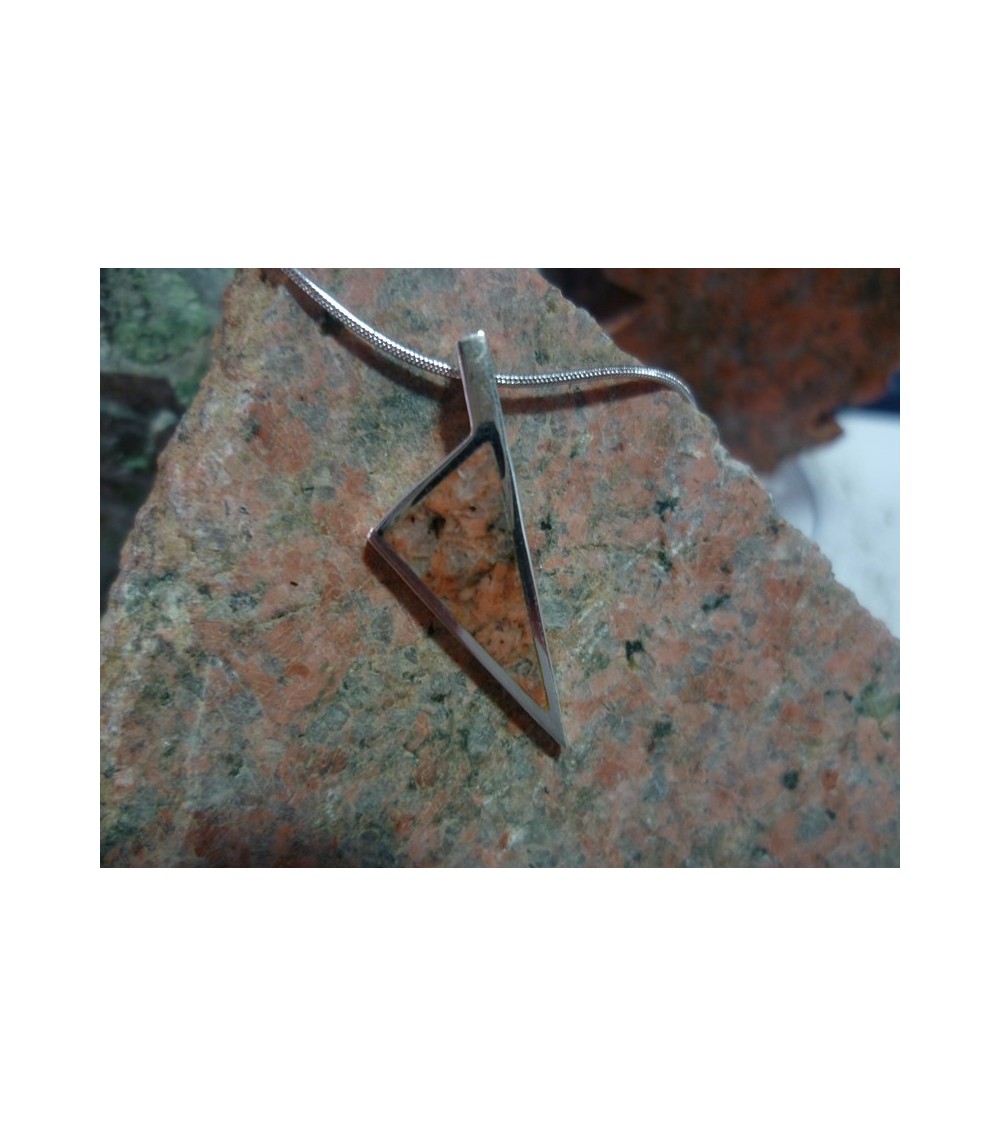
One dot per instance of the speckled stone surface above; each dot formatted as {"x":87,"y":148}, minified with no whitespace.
{"x":459,"y":544}
{"x":273,"y":695}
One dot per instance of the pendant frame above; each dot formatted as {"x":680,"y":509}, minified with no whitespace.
{"x":486,"y":429}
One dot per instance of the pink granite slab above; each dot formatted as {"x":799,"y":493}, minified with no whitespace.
{"x":272,"y":694}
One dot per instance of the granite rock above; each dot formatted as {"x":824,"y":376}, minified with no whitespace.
{"x":272,"y":695}
{"x":458,"y":542}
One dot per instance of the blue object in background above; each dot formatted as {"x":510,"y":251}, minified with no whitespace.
{"x":890,"y":400}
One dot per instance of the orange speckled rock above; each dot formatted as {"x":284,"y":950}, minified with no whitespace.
{"x":458,"y":542}
{"x":270,"y":692}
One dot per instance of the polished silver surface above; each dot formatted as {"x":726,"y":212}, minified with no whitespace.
{"x":418,"y":362}
{"x":486,"y":428}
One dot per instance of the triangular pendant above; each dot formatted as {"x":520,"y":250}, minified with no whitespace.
{"x":458,"y":541}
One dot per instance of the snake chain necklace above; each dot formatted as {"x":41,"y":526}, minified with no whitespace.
{"x":457,"y":538}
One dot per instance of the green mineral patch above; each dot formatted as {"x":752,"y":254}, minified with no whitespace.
{"x":874,"y":702}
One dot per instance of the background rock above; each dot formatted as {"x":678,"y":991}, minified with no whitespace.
{"x":157,"y":323}
{"x":272,"y":696}
{"x":156,"y":331}
{"x":772,"y":353}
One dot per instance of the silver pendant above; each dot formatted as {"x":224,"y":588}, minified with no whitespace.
{"x":458,"y":540}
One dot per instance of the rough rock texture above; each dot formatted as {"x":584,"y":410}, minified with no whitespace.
{"x":157,"y":323}
{"x":771,"y":353}
{"x":156,"y":333}
{"x":271,"y":694}
{"x":458,"y":543}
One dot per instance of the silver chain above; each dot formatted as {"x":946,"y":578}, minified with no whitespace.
{"x":418,"y":362}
